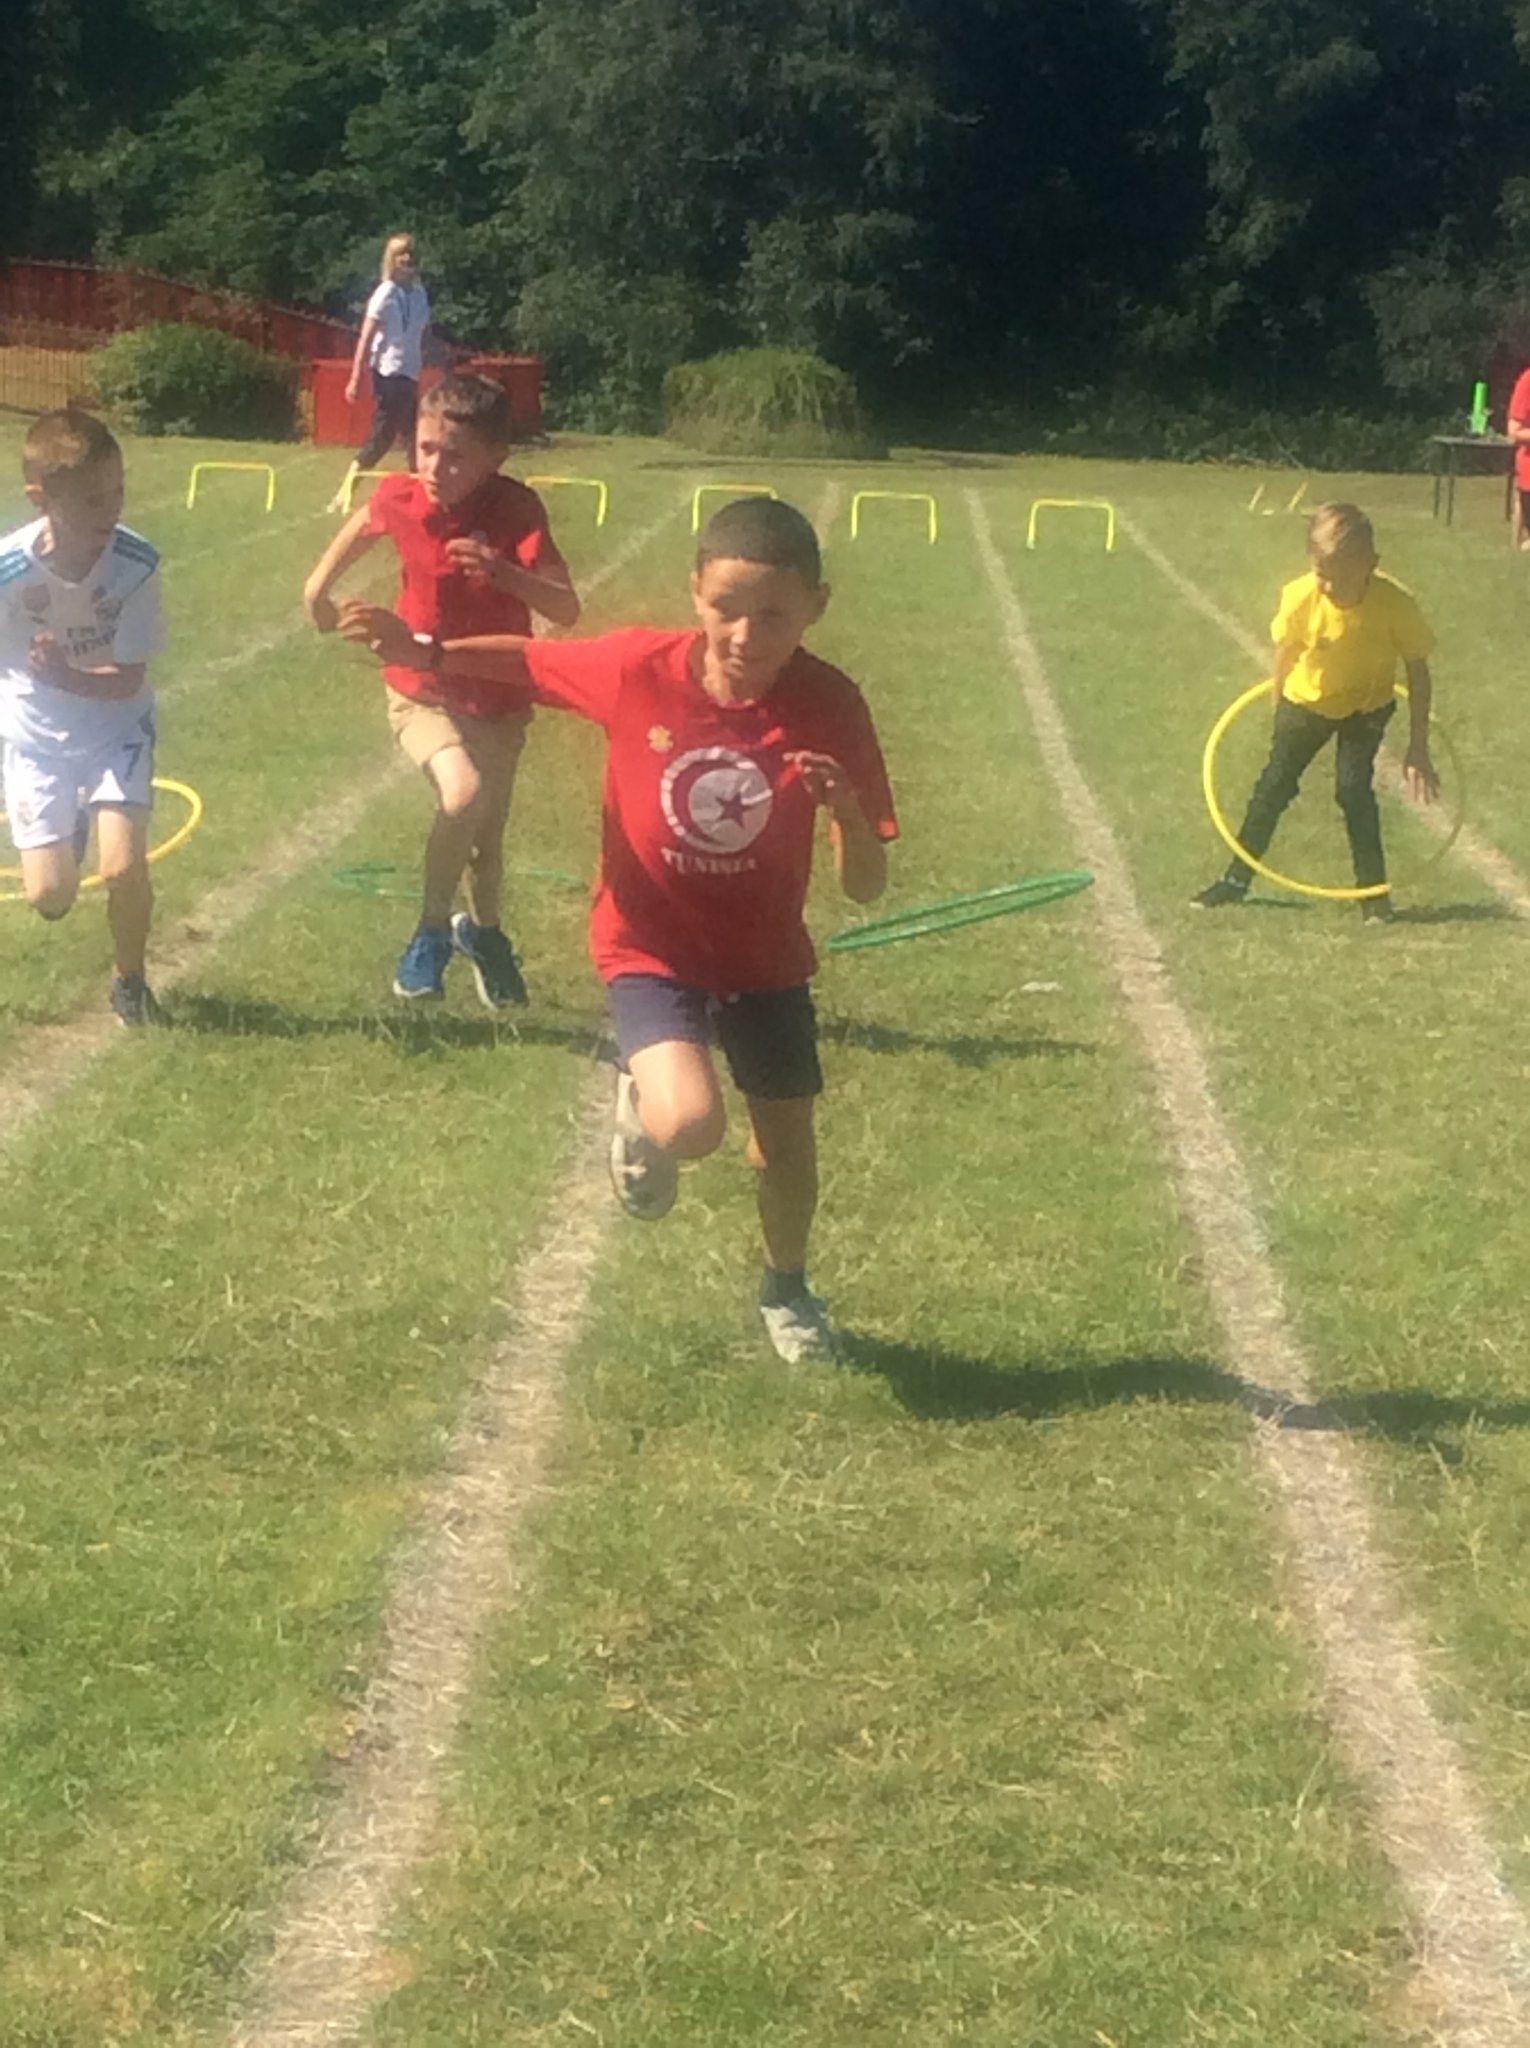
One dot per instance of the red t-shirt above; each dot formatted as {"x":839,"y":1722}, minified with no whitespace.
{"x":1519,"y":415}
{"x":707,"y":831}
{"x":436,"y":598}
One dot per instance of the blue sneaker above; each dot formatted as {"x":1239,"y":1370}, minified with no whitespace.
{"x":421,"y":972}
{"x":492,"y":958}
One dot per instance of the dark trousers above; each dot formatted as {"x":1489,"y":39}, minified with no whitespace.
{"x":398,"y":400}
{"x":1300,"y":736}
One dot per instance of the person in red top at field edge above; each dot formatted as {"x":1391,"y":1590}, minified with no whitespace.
{"x":476,"y":557}
{"x":1519,"y":434}
{"x":723,"y":744}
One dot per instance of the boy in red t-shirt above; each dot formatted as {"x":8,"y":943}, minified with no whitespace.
{"x":476,"y":557}
{"x":723,"y":744}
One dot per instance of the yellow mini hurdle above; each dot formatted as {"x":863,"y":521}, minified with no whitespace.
{"x":197,"y":469}
{"x":734,"y":490}
{"x":1073,"y":505}
{"x":1294,"y":503}
{"x":912,"y":497}
{"x":589,"y":483}
{"x":354,"y":477}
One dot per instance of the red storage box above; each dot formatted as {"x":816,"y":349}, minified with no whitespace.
{"x":336,"y":422}
{"x":339,"y":424}
{"x":522,"y":378}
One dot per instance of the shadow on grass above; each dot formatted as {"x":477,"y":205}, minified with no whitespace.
{"x":943,"y":1386}
{"x":1456,"y":913}
{"x":1432,"y":913}
{"x":1270,"y":903}
{"x":972,"y":1050}
{"x":411,"y":1031}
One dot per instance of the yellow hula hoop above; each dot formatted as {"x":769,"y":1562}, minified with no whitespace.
{"x":1218,"y":818}
{"x":182,"y":832}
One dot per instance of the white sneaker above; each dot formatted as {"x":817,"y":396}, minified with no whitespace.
{"x":645,"y":1178}
{"x":800,"y":1329}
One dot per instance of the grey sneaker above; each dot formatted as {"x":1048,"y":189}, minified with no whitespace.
{"x":645,"y":1178}
{"x":492,"y":958}
{"x":1219,"y":894}
{"x":800,"y":1329}
{"x":133,"y":1002}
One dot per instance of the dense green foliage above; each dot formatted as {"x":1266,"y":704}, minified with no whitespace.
{"x":765,"y":401}
{"x":956,"y":200}
{"x":174,"y":379}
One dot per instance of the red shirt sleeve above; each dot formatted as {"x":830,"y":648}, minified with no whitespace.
{"x":383,"y":504}
{"x":1519,"y":401}
{"x":859,"y":753}
{"x":536,"y":549}
{"x":584,"y":676}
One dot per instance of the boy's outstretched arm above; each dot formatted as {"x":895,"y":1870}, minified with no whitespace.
{"x":860,"y":858}
{"x":550,"y":593}
{"x":1418,"y":768}
{"x":111,"y":679}
{"x":348,"y":546}
{"x":494,"y":658}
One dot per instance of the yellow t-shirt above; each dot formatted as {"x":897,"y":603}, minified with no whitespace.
{"x":1349,"y":656}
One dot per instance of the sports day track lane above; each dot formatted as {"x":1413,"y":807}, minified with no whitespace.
{"x":320,"y":1979}
{"x":1471,"y":1938}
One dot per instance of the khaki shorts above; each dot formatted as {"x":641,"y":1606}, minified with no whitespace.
{"x":493,"y":744}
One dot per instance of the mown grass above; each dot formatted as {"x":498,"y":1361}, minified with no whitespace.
{"x":951,"y":1696}
{"x":1374,"y":1076}
{"x":247,"y":1265}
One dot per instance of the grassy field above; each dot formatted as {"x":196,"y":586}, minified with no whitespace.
{"x":956,"y":1695}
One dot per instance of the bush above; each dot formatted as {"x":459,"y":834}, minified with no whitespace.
{"x":174,"y":379}
{"x":1140,"y":427}
{"x":766,"y":401}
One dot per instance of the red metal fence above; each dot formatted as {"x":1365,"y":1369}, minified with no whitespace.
{"x":85,"y":300}
{"x":52,"y":313}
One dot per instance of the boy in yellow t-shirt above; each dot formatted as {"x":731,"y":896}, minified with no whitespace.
{"x":1339,"y":635}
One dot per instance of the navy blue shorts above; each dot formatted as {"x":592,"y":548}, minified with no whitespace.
{"x":769,"y":1038}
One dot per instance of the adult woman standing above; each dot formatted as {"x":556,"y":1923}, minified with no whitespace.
{"x":392,"y":342}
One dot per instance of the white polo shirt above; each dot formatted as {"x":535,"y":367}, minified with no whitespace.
{"x":402,"y":313}
{"x":114,"y":613}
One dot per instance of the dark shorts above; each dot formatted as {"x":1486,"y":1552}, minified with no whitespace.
{"x":769,"y":1039}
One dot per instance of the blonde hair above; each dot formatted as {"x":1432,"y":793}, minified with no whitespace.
{"x":393,"y":242}
{"x":61,"y":446}
{"x":1339,"y":529}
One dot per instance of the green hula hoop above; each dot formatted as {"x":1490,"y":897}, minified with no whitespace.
{"x":952,"y":913}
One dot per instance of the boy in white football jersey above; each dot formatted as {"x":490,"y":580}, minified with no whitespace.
{"x":80,"y":617}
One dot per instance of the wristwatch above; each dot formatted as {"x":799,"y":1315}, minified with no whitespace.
{"x":434,"y":652}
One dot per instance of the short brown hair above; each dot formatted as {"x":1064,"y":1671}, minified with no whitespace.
{"x":62,"y":444}
{"x":762,"y":530}
{"x":1339,"y":529}
{"x":471,"y":401}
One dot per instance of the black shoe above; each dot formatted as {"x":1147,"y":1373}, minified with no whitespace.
{"x":1218,"y":894}
{"x":492,"y":958}
{"x":133,"y":1002}
{"x":1377,"y":910}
